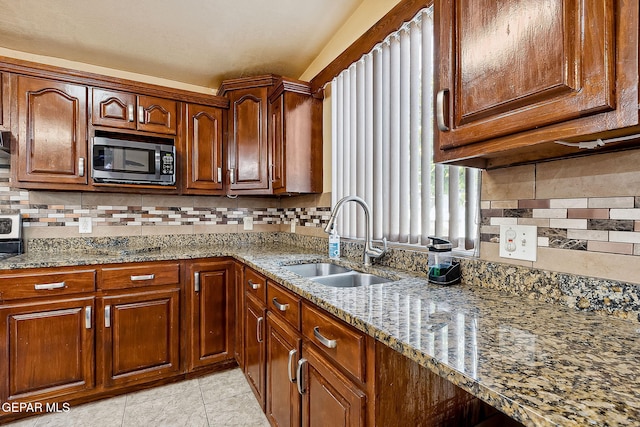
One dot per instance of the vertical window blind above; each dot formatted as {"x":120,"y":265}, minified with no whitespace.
{"x":382,"y":147}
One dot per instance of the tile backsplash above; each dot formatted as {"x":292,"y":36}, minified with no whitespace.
{"x":587,"y":211}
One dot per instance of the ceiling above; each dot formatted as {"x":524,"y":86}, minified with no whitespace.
{"x":198,"y":42}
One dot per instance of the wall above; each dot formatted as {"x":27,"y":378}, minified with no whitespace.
{"x":587,"y":211}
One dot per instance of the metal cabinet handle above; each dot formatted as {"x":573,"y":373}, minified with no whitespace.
{"x":254,"y":286}
{"x":324,"y":341}
{"x":130,"y":115}
{"x":232,"y":175}
{"x":273,"y":173}
{"x":219,"y":175}
{"x":301,"y":386}
{"x":196,"y":281}
{"x":141,"y":114}
{"x":107,"y":316}
{"x":281,"y":307}
{"x":87,"y":317}
{"x":259,"y":329}
{"x":292,"y":378}
{"x":440,"y":100}
{"x":81,"y":166}
{"x":143,"y":277}
{"x":50,"y":286}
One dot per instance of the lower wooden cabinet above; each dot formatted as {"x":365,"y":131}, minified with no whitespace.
{"x":210,"y":294}
{"x":47,"y":349}
{"x":329,"y":398}
{"x":254,"y":346}
{"x":239,"y":314}
{"x":139,"y":336}
{"x":284,"y":346}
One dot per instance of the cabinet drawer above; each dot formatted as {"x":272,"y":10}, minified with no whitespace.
{"x":284,"y":303}
{"x":139,"y":275}
{"x":255,"y":284}
{"x":339,"y":341}
{"x":46,"y":283}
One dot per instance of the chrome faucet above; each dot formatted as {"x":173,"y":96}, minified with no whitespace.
{"x":370,"y":252}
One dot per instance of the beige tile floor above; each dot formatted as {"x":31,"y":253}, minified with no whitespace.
{"x":220,"y":399}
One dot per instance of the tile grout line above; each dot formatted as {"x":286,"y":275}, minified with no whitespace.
{"x":204,"y":406}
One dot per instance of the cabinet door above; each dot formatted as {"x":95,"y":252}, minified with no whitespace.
{"x":4,"y":101}
{"x":139,"y":338}
{"x":47,"y":349}
{"x":157,"y":115}
{"x":203,"y":130}
{"x":276,"y":137}
{"x":52,"y":135}
{"x":516,"y":65}
{"x":254,"y":348}
{"x":211,"y":312}
{"x":114,"y":109}
{"x":283,"y":351}
{"x":248,"y":149}
{"x":329,"y":399}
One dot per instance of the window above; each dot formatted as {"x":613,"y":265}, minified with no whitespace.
{"x":382,"y":145}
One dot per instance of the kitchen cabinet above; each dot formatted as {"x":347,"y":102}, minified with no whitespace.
{"x":513,"y":77}
{"x":52,"y":134}
{"x":47,"y":334}
{"x":124,"y":110}
{"x":247,"y":144}
{"x":274,"y":143}
{"x":295,"y":135}
{"x":211,"y":312}
{"x":204,"y":161}
{"x":239,"y":314}
{"x":4,"y":102}
{"x":255,"y":286}
{"x":138,"y":312}
{"x":283,"y":348}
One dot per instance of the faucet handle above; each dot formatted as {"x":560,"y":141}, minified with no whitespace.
{"x":379,"y":252}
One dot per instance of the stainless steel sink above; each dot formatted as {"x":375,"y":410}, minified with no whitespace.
{"x":316,"y":269}
{"x":351,"y":280}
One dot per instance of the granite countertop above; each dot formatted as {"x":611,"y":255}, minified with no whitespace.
{"x":541,"y":364}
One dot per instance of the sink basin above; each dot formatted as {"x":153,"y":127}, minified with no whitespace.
{"x":351,"y":280}
{"x":316,"y":269}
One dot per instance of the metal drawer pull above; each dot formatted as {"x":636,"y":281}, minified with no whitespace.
{"x":440,"y":99}
{"x":281,"y":307}
{"x":107,"y":316}
{"x":50,"y":286}
{"x":259,"y":329}
{"x":290,"y":365}
{"x":301,"y":364}
{"x":324,"y":341}
{"x":254,"y":286}
{"x":196,"y":281}
{"x":87,"y":317}
{"x":143,"y":277}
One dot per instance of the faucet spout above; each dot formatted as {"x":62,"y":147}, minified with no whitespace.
{"x":370,"y":252}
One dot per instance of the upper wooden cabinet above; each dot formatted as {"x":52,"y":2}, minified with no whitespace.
{"x":295,"y":136}
{"x":4,"y":101}
{"x":203,"y":133}
{"x":274,"y":142}
{"x":513,"y":77}
{"x":52,"y":132}
{"x":136,"y":112}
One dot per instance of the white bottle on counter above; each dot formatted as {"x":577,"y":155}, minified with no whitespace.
{"x":334,"y":245}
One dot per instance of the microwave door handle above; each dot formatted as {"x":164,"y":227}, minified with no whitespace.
{"x":158,"y":158}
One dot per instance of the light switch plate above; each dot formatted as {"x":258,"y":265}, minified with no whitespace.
{"x":519,"y":242}
{"x":84,"y":225}
{"x":248,"y":222}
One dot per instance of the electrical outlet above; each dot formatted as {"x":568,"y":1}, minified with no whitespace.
{"x":84,"y":225}
{"x":519,"y":242}
{"x":248,"y":222}
{"x":293,"y":225}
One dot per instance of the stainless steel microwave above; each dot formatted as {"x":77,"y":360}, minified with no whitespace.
{"x":132,"y":162}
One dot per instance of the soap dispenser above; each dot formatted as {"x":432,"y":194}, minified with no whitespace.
{"x":443,"y":270}
{"x":334,"y":245}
